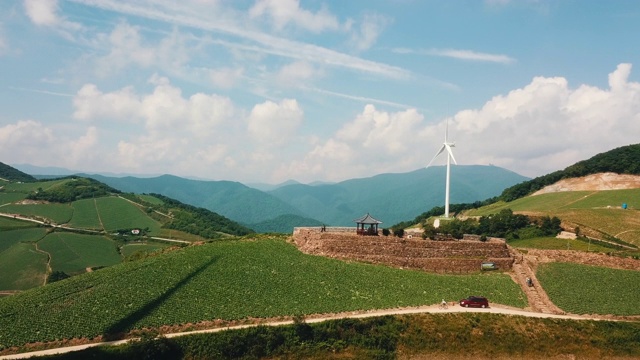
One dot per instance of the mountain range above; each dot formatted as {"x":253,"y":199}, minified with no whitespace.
{"x":391,"y":197}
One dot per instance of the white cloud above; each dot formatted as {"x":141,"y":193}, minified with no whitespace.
{"x":460,"y":54}
{"x":297,"y":73}
{"x":221,"y":22}
{"x":170,"y":132}
{"x":546,"y":125}
{"x":42,"y":12}
{"x":285,"y":12}
{"x":365,"y":35}
{"x":225,"y":77}
{"x":126,"y":46}
{"x":273,"y":124}
{"x":374,"y":142}
{"x":164,"y":111}
{"x":42,"y":145}
{"x":45,"y":13}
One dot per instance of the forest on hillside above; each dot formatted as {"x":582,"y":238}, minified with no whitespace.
{"x":11,"y":174}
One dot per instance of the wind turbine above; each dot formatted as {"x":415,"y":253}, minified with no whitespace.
{"x":446,"y":146}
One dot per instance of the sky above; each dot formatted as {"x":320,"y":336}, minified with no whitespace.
{"x":272,"y":90}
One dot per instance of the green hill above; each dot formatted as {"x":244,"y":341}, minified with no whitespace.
{"x":71,"y":225}
{"x":230,"y":280}
{"x":227,"y":198}
{"x":622,"y":160}
{"x":598,"y":214}
{"x":8,"y":173}
{"x":284,"y":224}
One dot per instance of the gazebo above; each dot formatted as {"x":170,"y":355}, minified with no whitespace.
{"x":362,"y":223}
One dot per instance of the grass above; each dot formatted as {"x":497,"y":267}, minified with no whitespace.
{"x":8,"y":198}
{"x":117,"y":213}
{"x":10,"y":224}
{"x":73,"y":253}
{"x":12,"y":237}
{"x":599,"y":210}
{"x":33,"y":186}
{"x":85,"y":215}
{"x":553,"y":243}
{"x":419,"y":336}
{"x":181,"y":235}
{"x":150,"y":199}
{"x":230,"y":281}
{"x":58,"y":213}
{"x":22,"y":267}
{"x":584,"y":289}
{"x":130,"y":249}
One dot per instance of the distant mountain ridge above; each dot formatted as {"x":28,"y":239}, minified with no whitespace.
{"x":389,"y":197}
{"x":228,"y":198}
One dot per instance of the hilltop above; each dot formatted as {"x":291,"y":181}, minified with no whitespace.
{"x":622,"y":160}
{"x":593,"y":182}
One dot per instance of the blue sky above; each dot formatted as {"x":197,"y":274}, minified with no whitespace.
{"x":271,"y":90}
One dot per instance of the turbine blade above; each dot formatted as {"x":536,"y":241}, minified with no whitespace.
{"x":446,"y":132}
{"x":451,"y":153}
{"x":438,"y":153}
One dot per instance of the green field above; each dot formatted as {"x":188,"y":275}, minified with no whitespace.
{"x":150,"y":199}
{"x":130,"y":249}
{"x":12,"y":237}
{"x":85,"y":215}
{"x":8,"y":198}
{"x":227,"y":280}
{"x":552,"y":243}
{"x":58,"y":213}
{"x":73,"y":253}
{"x":583,"y":289}
{"x":10,"y":224}
{"x":33,"y":186}
{"x":22,"y":267}
{"x":117,"y":213}
{"x":600,"y":210}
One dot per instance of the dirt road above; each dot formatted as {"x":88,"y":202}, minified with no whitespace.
{"x":494,"y":309}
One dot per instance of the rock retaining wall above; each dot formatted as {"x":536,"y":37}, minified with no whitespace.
{"x":451,"y":256}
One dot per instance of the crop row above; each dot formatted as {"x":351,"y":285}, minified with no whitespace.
{"x":584,"y":289}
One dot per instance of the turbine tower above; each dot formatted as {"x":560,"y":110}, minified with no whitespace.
{"x":446,"y":146}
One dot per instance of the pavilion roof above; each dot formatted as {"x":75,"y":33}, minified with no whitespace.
{"x":367,"y":219}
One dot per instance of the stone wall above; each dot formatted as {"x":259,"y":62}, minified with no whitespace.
{"x":448,"y":256}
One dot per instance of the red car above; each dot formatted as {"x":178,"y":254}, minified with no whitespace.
{"x":475,"y":301}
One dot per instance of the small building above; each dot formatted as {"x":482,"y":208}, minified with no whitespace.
{"x":367,"y":225}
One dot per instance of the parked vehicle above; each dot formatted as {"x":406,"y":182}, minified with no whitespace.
{"x":475,"y":301}
{"x":488,"y":266}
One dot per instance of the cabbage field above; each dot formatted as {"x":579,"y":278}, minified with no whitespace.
{"x":584,"y":289}
{"x":228,"y":280}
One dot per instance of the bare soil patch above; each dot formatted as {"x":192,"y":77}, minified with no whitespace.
{"x":594,"y":182}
